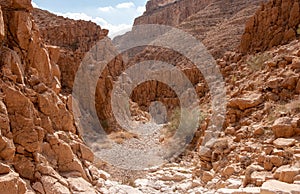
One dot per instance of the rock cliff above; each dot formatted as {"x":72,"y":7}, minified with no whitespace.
{"x":41,"y":150}
{"x":218,"y":24}
{"x":275,"y":23}
{"x":74,"y":39}
{"x":171,"y":12}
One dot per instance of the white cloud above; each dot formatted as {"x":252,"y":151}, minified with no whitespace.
{"x":34,"y":5}
{"x":125,"y":5}
{"x":114,"y":30}
{"x":106,"y":9}
{"x":120,"y":17}
{"x":118,"y":7}
{"x":76,"y":16}
{"x":140,"y":10}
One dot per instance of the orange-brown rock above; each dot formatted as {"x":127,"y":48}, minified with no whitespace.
{"x":1,"y":26}
{"x":38,"y":138}
{"x":74,"y":39}
{"x":247,"y":101}
{"x":219,"y":24}
{"x":284,"y":127}
{"x":170,"y":12}
{"x":274,"y":24}
{"x":12,"y":183}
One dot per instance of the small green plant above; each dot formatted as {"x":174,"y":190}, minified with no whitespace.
{"x":293,"y":107}
{"x":128,"y":180}
{"x":256,"y":62}
{"x":188,"y":122}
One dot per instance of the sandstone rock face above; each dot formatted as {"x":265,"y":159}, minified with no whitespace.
{"x":12,"y":183}
{"x":218,"y":24}
{"x":74,"y":39}
{"x":273,"y":186}
{"x":283,"y":127}
{"x":170,"y":12}
{"x":156,"y":4}
{"x":274,"y":24}
{"x":39,"y":142}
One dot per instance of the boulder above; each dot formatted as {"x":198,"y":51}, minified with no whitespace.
{"x":275,"y":187}
{"x":284,"y":142}
{"x":52,"y":185}
{"x":287,"y":173}
{"x":248,"y":190}
{"x":247,"y":101}
{"x":282,"y":127}
{"x":11,"y":183}
{"x":79,"y":185}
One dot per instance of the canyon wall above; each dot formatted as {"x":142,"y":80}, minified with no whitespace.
{"x":275,"y":23}
{"x":41,"y":150}
{"x":74,"y":39}
{"x":171,"y":12}
{"x":218,"y":24}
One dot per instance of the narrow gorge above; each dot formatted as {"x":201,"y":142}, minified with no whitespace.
{"x":50,"y":145}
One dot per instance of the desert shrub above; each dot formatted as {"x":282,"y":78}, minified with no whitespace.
{"x":256,"y":62}
{"x":188,"y":122}
{"x":290,"y":108}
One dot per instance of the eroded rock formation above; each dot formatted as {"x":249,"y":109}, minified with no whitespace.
{"x":274,"y":24}
{"x":40,"y":148}
{"x":218,"y":24}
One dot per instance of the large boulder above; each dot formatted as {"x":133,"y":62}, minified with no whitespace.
{"x":12,"y":184}
{"x":274,"y":187}
{"x":246,"y":101}
{"x":284,"y":127}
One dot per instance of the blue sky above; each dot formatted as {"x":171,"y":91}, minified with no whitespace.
{"x":116,"y":16}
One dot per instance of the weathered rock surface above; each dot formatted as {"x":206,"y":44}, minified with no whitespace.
{"x":283,"y":127}
{"x":39,"y":143}
{"x":274,"y":24}
{"x":248,"y":101}
{"x":41,"y":150}
{"x":218,"y":24}
{"x":74,"y":39}
{"x":274,"y":186}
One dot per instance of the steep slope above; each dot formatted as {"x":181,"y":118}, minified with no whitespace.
{"x":170,"y":12}
{"x":41,"y":150}
{"x":74,"y":38}
{"x":274,"y":24}
{"x":258,"y":148}
{"x":35,"y":120}
{"x":219,"y":24}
